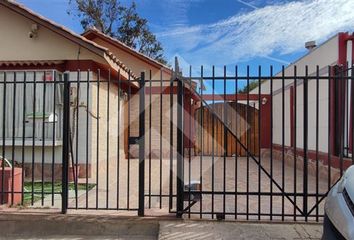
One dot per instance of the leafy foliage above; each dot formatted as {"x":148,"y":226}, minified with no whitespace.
{"x":120,"y":22}
{"x":252,"y":85}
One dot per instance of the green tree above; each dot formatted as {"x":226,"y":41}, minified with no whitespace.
{"x":120,"y":22}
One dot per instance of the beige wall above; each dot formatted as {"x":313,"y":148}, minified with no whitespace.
{"x":16,"y":45}
{"x":154,"y":132}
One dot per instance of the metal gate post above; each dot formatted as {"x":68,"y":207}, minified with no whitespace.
{"x":180,"y":172}
{"x":66,"y":144}
{"x":142,"y":145}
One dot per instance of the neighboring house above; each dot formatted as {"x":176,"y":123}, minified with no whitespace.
{"x":36,"y":49}
{"x":337,"y":51}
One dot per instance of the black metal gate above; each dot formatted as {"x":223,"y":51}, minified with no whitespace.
{"x":95,"y":141}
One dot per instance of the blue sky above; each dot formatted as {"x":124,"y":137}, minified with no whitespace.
{"x":229,"y":32}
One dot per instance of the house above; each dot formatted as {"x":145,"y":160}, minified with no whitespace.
{"x":104,"y":112}
{"x":335,"y":105}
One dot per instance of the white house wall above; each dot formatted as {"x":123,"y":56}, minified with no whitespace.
{"x":323,"y":56}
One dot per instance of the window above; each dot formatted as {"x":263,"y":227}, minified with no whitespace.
{"x":30,"y":103}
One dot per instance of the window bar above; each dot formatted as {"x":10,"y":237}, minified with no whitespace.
{"x":118,"y":132}
{"x":128,"y":164}
{"x":97,"y":132}
{"x":43,"y":136}
{"x":295,"y":139}
{"x":107,"y":129}
{"x":23,"y":134}
{"x":213,"y":146}
{"x":283,"y":140}
{"x":225,"y":143}
{"x":201,"y":139}
{"x":237,"y":135}
{"x":248,"y":144}
{"x":76,"y":175}
{"x":13,"y":140}
{"x":329,"y":126}
{"x":33,"y":133}
{"x":161,"y":89}
{"x":305,"y":116}
{"x":3,"y":143}
{"x":87,"y":136}
{"x":259,"y":139}
{"x":317,"y":133}
{"x":271,"y":142}
{"x":150,"y":119}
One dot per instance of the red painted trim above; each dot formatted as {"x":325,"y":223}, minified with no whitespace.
{"x":311,"y":154}
{"x":265,"y":125}
{"x":292,"y":119}
{"x":234,"y":97}
{"x":58,"y":67}
{"x":342,"y":48}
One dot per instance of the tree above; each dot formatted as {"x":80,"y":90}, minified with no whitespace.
{"x":120,"y":22}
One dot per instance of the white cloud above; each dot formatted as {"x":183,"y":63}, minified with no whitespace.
{"x":263,"y":32}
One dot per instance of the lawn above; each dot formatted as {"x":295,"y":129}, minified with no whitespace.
{"x":48,"y":188}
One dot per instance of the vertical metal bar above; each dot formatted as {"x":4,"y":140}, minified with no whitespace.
{"x":305,"y":180}
{"x":87,"y":135}
{"x":118,"y":132}
{"x":317,"y":133}
{"x":142,"y":145}
{"x":66,"y":143}
{"x":33,"y":133}
{"x":98,"y":133}
{"x":329,"y":127}
{"x":3,"y":142}
{"x":236,"y":143}
{"x":170,"y":199}
{"x":190,"y":141}
{"x":107,"y":129}
{"x":271,"y":143}
{"x":13,"y":140}
{"x":43,"y":137}
{"x":259,"y":139}
{"x":129,"y":123}
{"x":201,"y":139}
{"x":76,"y":175}
{"x":342,"y":118}
{"x":160,"y":193}
{"x":54,"y":133}
{"x":23,"y":134}
{"x":225,"y":144}
{"x":295,"y":139}
{"x":150,"y":119}
{"x":352,"y":109}
{"x":180,"y":171}
{"x":247,"y":145}
{"x":283,"y":141}
{"x":213,"y":147}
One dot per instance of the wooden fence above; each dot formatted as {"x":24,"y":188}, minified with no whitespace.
{"x":241,"y":120}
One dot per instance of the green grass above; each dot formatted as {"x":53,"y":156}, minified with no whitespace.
{"x":47,"y":189}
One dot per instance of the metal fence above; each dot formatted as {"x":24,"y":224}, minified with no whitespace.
{"x":221,"y":143}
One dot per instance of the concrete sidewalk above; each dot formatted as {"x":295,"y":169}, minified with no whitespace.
{"x":56,"y":226}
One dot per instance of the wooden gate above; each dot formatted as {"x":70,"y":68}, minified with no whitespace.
{"x":241,"y":119}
